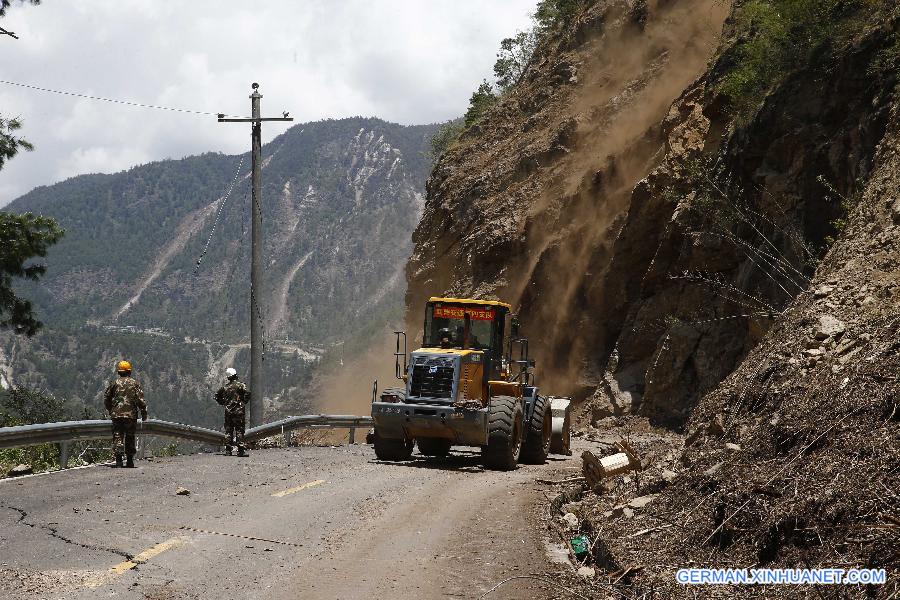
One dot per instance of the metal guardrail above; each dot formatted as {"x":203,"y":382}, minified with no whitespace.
{"x":284,"y":426}
{"x":69,"y":431}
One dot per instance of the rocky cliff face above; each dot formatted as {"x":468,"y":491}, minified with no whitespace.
{"x":527,"y":206}
{"x":648,"y":234}
{"x":792,"y":460}
{"x":730,"y":227}
{"x":729,"y":270}
{"x":340,"y":199}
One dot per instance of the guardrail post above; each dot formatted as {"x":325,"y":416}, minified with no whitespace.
{"x":287,"y":436}
{"x":63,"y":455}
{"x":352,"y":435}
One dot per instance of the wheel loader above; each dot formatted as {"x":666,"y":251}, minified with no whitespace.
{"x":470,"y":384}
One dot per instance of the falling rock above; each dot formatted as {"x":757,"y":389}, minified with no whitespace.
{"x":714,"y":469}
{"x":642,"y":501}
{"x":823,"y":290}
{"x":829,"y":327}
{"x":183,"y":492}
{"x":570,"y":519}
{"x":20,"y":470}
{"x":732,"y":447}
{"x":601,"y":408}
{"x":716,"y":426}
{"x":895,"y":210}
{"x":586,"y":572}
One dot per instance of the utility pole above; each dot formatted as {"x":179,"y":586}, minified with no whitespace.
{"x":256,"y":243}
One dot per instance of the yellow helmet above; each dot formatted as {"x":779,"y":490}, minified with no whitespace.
{"x":123,"y":365}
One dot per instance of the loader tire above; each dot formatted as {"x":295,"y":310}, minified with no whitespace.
{"x":433,"y":446}
{"x":536,"y":445}
{"x":391,"y":449}
{"x":504,"y":434}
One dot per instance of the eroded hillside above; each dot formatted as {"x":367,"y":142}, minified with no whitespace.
{"x":527,"y":205}
{"x":339,"y":200}
{"x":724,"y":262}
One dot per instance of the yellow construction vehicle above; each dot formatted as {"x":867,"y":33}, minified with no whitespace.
{"x":470,"y":384}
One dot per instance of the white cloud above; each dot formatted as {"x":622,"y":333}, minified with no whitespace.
{"x":407,"y":61}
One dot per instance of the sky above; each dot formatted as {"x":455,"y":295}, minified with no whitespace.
{"x":406,"y":61}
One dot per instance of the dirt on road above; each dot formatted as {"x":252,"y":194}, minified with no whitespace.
{"x":282,"y":524}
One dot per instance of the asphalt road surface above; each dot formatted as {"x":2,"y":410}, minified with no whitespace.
{"x":280,"y":524}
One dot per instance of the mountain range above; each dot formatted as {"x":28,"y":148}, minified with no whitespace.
{"x":154,"y":266}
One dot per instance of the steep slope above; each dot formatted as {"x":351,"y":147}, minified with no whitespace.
{"x":814,"y":409}
{"x":527,"y":205}
{"x":739,"y":281}
{"x":340,"y":199}
{"x":730,"y":227}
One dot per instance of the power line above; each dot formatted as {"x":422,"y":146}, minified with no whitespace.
{"x":111,"y":100}
{"x":219,"y":215}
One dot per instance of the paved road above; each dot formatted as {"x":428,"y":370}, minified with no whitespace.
{"x":280,"y":524}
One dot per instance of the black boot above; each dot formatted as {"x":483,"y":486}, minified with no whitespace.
{"x":241,"y":452}
{"x":130,"y":462}
{"x":227,"y":450}
{"x":119,"y":460}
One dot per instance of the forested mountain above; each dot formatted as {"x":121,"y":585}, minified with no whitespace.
{"x":340,"y":199}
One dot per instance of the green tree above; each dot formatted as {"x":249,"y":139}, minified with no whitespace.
{"x":551,"y":14}
{"x":4,"y":4}
{"x":9,"y":143}
{"x":445,"y":137}
{"x":513,"y":58}
{"x":482,"y":99}
{"x":26,"y":406}
{"x":22,"y":237}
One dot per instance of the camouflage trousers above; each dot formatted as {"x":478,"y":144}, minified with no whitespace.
{"x":234,"y":430}
{"x":123,"y":430}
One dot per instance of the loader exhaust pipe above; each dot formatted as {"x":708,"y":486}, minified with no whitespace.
{"x":398,"y":373}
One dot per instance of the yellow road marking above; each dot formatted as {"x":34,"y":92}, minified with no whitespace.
{"x":294,"y":490}
{"x":143,"y":557}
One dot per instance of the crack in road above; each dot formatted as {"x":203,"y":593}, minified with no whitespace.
{"x":53,"y":532}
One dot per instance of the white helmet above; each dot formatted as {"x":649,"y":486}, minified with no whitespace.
{"x":230,"y":372}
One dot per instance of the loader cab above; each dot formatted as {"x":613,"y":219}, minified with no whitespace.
{"x":467,"y":325}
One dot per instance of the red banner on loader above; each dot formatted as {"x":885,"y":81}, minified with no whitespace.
{"x":458,"y":312}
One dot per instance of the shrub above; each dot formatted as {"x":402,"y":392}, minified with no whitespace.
{"x":552,"y":14}
{"x":446,"y":136}
{"x":775,"y":37}
{"x":482,"y":99}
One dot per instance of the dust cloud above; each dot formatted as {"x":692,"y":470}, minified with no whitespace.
{"x":628,"y":75}
{"x":348,"y":389}
{"x":629,"y":79}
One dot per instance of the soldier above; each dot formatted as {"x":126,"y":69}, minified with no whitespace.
{"x":124,"y":398}
{"x":234,"y":396}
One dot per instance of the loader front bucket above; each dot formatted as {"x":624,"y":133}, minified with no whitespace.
{"x":561,"y":436}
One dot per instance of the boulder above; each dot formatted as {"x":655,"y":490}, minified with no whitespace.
{"x":20,"y":470}
{"x":642,"y":501}
{"x":570,"y":520}
{"x":895,"y":210}
{"x":586,"y":572}
{"x":829,"y":327}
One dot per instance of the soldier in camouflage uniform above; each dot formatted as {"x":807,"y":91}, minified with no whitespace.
{"x":234,"y":396}
{"x":124,"y":398}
